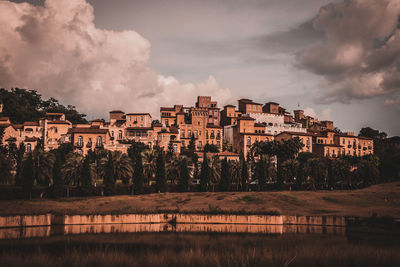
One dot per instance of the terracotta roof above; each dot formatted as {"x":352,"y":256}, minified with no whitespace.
{"x":116,"y":111}
{"x":271,"y":103}
{"x":296,"y":133}
{"x":58,"y":122}
{"x":246,"y":118}
{"x":31,"y":123}
{"x":139,"y":128}
{"x":4,"y":118}
{"x":88,"y":130}
{"x":345,"y":135}
{"x":259,"y":134}
{"x":138,"y":114}
{"x":54,"y":114}
{"x":363,"y":137}
{"x":232,"y":106}
{"x":98,"y":120}
{"x":332,"y":145}
{"x":18,"y":126}
{"x":262,"y":124}
{"x":11,"y":139}
{"x":157,"y":125}
{"x":167,"y":108}
{"x":213,"y":126}
{"x":228,"y":153}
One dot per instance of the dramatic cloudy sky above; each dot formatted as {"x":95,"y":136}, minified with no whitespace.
{"x":338,"y":60}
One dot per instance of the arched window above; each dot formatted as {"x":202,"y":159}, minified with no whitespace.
{"x":80,"y":141}
{"x":99,"y":141}
{"x":28,"y":147}
{"x":112,"y":133}
{"x":119,"y":135}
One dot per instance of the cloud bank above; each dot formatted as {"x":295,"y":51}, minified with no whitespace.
{"x":360,"y":56}
{"x":57,"y":50}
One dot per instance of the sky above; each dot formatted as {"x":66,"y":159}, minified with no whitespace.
{"x":337,"y":60}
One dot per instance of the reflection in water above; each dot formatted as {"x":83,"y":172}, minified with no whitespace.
{"x":46,"y":231}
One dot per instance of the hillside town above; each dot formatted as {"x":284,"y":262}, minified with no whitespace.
{"x":232,"y":130}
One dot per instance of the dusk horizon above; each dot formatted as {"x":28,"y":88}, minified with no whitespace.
{"x":114,"y":56}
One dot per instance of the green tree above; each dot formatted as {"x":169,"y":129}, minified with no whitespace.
{"x":210,"y":148}
{"x":109,"y":179}
{"x":149,"y":157}
{"x":138,"y":175}
{"x":260,"y":173}
{"x":161,"y":181}
{"x":205,"y":174}
{"x":43,"y":162}
{"x":57,"y":177}
{"x":85,"y":185}
{"x":6,"y":166}
{"x":317,"y":170}
{"x":19,"y":160}
{"x":225,"y":181}
{"x":184,"y":177}
{"x":27,"y":176}
{"x":244,"y":174}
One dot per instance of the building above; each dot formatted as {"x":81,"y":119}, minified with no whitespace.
{"x":89,"y":138}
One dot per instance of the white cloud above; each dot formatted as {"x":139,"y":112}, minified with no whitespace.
{"x":57,"y":50}
{"x":326,"y":114}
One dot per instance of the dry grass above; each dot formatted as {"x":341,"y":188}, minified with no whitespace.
{"x":171,"y":249}
{"x":384,"y":200}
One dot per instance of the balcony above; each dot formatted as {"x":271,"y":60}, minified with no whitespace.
{"x":79,"y":145}
{"x":89,"y":145}
{"x":212,"y":136}
{"x":218,"y":137}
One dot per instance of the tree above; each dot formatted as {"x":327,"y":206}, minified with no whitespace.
{"x":109,"y":179}
{"x":289,"y":170}
{"x":85,"y":184}
{"x":367,"y":172}
{"x":72,"y":169}
{"x":57,"y":178}
{"x":138,"y":178}
{"x":6,"y":166}
{"x":184,"y":177}
{"x":19,"y":160}
{"x":27,"y":176}
{"x":161,"y":181}
{"x":260,"y":173}
{"x":205,"y":174}
{"x":43,"y":163}
{"x":317,"y":170}
{"x":149,"y":157}
{"x":123,"y":169}
{"x":211,"y":148}
{"x":225,"y":181}
{"x":244,"y":175}
{"x":215,"y":166}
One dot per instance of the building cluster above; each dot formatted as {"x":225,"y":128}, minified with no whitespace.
{"x":204,"y":123}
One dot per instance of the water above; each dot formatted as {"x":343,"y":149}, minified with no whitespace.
{"x":165,"y":244}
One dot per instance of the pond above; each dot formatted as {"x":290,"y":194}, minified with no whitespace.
{"x":175,"y":244}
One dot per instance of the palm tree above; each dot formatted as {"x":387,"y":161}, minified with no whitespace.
{"x":215,"y":166}
{"x":174,"y":166}
{"x":149,"y":157}
{"x":235,"y":172}
{"x":43,"y":163}
{"x":317,"y":170}
{"x":122,"y":163}
{"x":289,"y":170}
{"x":72,"y":168}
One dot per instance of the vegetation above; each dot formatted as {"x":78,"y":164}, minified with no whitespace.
{"x":27,"y":105}
{"x":161,"y":180}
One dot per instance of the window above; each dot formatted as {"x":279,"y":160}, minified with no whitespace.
{"x":175,"y":148}
{"x":248,"y":141}
{"x":112,"y":133}
{"x":120,"y":134}
{"x":55,"y":130}
{"x":80,"y":141}
{"x":28,"y":147}
{"x":182,"y":133}
{"x":200,"y":144}
{"x":141,"y":118}
{"x":129,"y":118}
{"x":166,"y":122}
{"x":99,"y":141}
{"x":196,"y":134}
{"x":212,"y":134}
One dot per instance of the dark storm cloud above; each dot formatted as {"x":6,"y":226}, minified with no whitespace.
{"x":361,"y":53}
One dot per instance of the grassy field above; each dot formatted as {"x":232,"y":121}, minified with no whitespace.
{"x":383,"y":200}
{"x":172,"y":249}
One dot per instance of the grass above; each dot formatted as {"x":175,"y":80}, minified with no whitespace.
{"x":182,"y":249}
{"x":383,"y":199}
